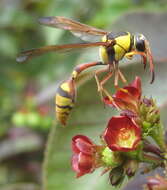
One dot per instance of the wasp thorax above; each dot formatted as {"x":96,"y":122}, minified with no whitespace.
{"x":139,"y":42}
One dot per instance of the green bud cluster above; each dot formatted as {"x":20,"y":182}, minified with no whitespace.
{"x":150,"y":121}
{"x":149,"y":114}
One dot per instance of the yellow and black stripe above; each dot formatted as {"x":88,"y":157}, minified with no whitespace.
{"x":64,"y":100}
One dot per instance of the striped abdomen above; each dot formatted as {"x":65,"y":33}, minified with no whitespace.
{"x":64,"y":99}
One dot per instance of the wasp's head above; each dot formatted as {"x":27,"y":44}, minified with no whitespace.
{"x":141,"y":45}
{"x":140,"y":42}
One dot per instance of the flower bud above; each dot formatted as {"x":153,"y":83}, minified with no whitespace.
{"x":149,"y":113}
{"x":116,"y":176}
{"x":131,"y":167}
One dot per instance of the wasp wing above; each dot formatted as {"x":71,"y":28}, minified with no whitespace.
{"x":80,"y":30}
{"x":26,"y":55}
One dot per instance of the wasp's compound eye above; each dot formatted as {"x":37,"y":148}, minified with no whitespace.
{"x":140,"y":42}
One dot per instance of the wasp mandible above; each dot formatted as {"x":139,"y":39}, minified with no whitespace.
{"x":112,"y":48}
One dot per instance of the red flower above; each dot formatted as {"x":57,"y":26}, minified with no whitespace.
{"x":127,"y":98}
{"x":157,"y":183}
{"x":122,"y":134}
{"x":83,"y":159}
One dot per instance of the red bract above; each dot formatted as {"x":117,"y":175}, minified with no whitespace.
{"x":137,"y":84}
{"x":127,"y":98}
{"x":122,"y":134}
{"x":83,"y":155}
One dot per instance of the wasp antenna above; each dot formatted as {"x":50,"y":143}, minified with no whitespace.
{"x":144,"y":61}
{"x":150,"y":62}
{"x":152,"y":77}
{"x":151,"y":67}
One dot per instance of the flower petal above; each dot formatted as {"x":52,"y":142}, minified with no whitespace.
{"x":81,"y":143}
{"x":83,"y":159}
{"x":122,"y":134}
{"x":82,"y":164}
{"x":131,"y":95}
{"x":85,"y":162}
{"x":74,"y":163}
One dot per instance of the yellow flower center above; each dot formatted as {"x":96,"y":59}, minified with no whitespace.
{"x":124,"y":134}
{"x":126,"y":138}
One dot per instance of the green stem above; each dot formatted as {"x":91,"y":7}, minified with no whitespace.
{"x":47,"y":153}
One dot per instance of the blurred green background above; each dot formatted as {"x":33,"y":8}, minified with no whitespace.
{"x":34,"y":150}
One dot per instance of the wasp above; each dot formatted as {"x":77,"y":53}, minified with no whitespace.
{"x":113,"y":47}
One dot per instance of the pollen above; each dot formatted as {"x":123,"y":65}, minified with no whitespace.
{"x":124,"y":134}
{"x":126,"y":138}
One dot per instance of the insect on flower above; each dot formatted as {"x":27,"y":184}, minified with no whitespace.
{"x":112,"y":48}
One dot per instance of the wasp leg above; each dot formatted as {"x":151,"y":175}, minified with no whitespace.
{"x":106,"y":78}
{"x":122,"y":77}
{"x":116,"y":78}
{"x":119,"y":74}
{"x":135,"y":53}
{"x":84,"y":66}
{"x":144,"y":56}
{"x":99,"y":88}
{"x":100,"y":84}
